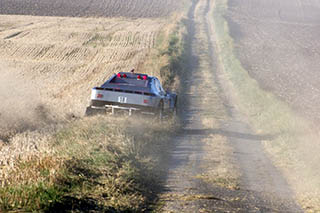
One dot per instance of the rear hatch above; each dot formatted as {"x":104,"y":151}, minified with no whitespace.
{"x":124,"y":91}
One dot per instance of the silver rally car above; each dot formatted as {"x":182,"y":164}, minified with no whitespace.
{"x":132,"y":92}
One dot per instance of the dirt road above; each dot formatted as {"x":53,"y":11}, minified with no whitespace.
{"x":218,"y":164}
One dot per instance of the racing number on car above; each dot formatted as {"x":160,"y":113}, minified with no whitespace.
{"x":122,"y":99}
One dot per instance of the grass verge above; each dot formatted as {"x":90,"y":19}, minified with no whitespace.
{"x":289,"y":147}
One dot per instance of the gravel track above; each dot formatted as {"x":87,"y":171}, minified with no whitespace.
{"x":278,"y":43}
{"x":100,"y":8}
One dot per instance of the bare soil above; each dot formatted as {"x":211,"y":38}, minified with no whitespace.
{"x":278,"y":43}
{"x":101,"y":8}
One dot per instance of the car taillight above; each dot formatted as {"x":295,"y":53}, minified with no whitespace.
{"x":124,"y":75}
{"x":144,"y":77}
{"x":145,"y":101}
{"x":119,"y":75}
{"x":139,"y":77}
{"x":99,"y":95}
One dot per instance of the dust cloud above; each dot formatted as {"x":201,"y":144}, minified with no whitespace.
{"x":20,"y":104}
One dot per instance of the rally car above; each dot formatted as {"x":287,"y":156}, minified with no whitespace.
{"x":134,"y":93}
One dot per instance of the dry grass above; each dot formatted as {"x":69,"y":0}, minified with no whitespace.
{"x":107,"y":161}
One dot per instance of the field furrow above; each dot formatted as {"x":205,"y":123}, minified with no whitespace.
{"x":104,"y":8}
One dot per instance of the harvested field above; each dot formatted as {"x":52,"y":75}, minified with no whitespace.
{"x":56,"y":61}
{"x":278,"y":43}
{"x":101,"y":8}
{"x":48,"y":66}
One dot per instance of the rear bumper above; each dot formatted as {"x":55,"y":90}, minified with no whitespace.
{"x":107,"y":104}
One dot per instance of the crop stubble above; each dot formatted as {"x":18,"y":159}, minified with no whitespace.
{"x":63,"y":58}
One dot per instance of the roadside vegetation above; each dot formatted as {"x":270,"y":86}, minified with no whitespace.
{"x":289,"y":134}
{"x":168,"y":58}
{"x":99,"y":163}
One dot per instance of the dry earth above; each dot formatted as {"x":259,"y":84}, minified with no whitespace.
{"x":101,"y":8}
{"x":278,"y":43}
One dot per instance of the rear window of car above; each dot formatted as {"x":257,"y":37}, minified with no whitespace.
{"x":129,"y":81}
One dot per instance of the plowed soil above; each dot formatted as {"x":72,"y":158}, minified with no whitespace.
{"x":101,"y":8}
{"x":278,"y":42}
